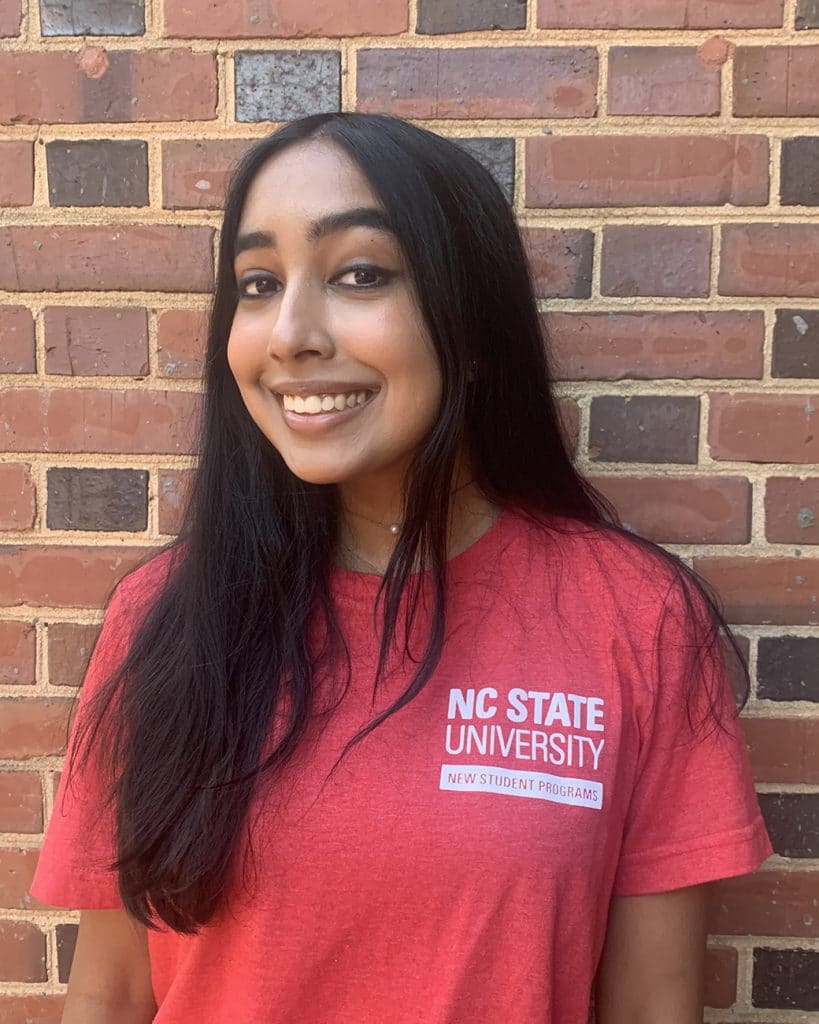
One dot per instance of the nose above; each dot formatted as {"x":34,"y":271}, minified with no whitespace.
{"x":299,"y":329}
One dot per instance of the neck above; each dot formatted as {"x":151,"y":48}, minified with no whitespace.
{"x":371,"y":523}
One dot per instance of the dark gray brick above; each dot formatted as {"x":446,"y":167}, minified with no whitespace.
{"x":285,"y":84}
{"x":437,"y":16}
{"x":800,"y":171}
{"x":807,"y":14}
{"x":645,"y":428}
{"x":788,"y":668}
{"x":498,"y":157}
{"x":796,"y":343}
{"x":97,"y":172}
{"x":97,"y":499}
{"x":786,"y":979}
{"x":792,"y":820}
{"x":92,"y":17}
{"x":66,"y":941}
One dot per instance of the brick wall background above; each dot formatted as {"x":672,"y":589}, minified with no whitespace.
{"x":663,"y":157}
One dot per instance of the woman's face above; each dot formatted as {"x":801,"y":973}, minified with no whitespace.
{"x":327,"y":346}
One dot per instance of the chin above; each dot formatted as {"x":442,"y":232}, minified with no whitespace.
{"x":318,"y":474}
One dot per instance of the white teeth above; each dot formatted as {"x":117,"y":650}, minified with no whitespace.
{"x":312,"y":404}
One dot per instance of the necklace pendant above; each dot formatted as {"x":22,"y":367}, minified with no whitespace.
{"x":395,"y":529}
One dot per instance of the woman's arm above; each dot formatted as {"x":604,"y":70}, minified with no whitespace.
{"x":111,"y":976}
{"x":651,"y":971}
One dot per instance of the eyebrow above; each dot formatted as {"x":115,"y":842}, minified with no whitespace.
{"x":359,"y":217}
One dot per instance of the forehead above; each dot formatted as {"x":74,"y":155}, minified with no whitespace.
{"x":304,"y":181}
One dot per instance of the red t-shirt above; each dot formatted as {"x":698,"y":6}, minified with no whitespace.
{"x":457,"y":867}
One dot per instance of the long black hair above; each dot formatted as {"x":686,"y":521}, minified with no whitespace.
{"x":185,"y":720}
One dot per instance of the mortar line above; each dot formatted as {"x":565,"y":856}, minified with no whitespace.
{"x":603,"y":59}
{"x":349,"y":76}
{"x":769,"y":315}
{"x":154,"y":158}
{"x":412,"y":22}
{"x":226,"y":85}
{"x":716,"y":257}
{"x":753,"y":668}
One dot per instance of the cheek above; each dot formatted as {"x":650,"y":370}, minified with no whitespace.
{"x":240,"y":357}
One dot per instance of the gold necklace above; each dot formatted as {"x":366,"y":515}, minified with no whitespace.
{"x":395,"y":528}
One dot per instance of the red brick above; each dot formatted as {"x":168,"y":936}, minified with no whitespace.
{"x":182,"y":341}
{"x":655,"y":260}
{"x":22,"y":952}
{"x":561,"y":261}
{"x":31,"y":1009}
{"x":17,"y":653}
{"x":682,"y":510}
{"x":173,"y":489}
{"x":16,"y":340}
{"x":649,"y":346}
{"x":21,"y":802}
{"x":783,"y":750}
{"x":720,"y":977}
{"x":669,"y":80}
{"x":10,"y":18}
{"x":522,"y":81}
{"x":18,"y":498}
{"x":642,"y":14}
{"x":16,"y":173}
{"x":241,"y":19}
{"x":34,"y":727}
{"x":98,"y":86}
{"x":764,"y":428}
{"x":770,"y":259}
{"x":776,"y":81}
{"x":782,"y":591}
{"x":69,"y":647}
{"x":765,"y":903}
{"x":792,"y":510}
{"x":97,"y":420}
{"x":89,"y":342}
{"x":67,"y":258}
{"x":75,"y":577}
{"x":195,"y":173}
{"x":646,"y":170}
{"x":16,"y":873}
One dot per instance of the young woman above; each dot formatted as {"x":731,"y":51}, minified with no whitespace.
{"x":404,"y":728}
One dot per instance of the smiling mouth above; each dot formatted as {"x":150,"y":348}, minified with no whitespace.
{"x":313,"y":405}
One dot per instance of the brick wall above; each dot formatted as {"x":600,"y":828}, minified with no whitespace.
{"x":663,"y":157}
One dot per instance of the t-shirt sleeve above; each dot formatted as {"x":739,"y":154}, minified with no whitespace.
{"x":75,"y":865}
{"x":693,"y":816}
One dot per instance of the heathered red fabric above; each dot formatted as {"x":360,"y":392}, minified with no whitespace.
{"x":458,"y":866}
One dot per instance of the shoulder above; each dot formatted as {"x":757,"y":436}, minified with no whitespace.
{"x":605,"y":581}
{"x":603,"y":561}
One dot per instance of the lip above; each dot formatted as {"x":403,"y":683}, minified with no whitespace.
{"x":314,"y":423}
{"x":303,"y":388}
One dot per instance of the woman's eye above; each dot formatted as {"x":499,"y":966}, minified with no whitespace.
{"x":257,"y":285}
{"x":364,"y":277}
